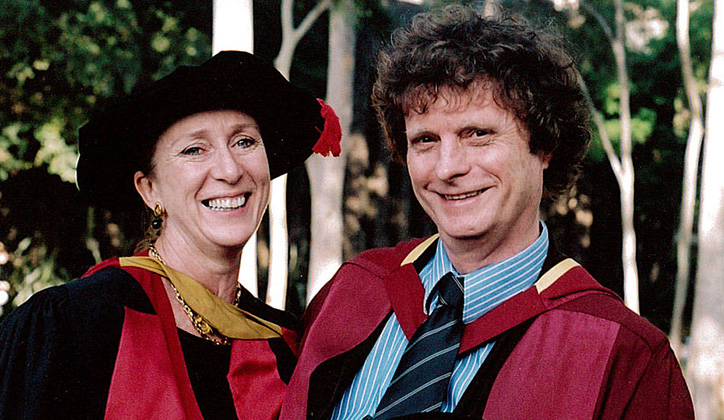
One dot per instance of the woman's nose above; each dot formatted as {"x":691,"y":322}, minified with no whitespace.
{"x":226,"y":166}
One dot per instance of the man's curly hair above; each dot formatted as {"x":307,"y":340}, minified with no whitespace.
{"x":528,"y":71}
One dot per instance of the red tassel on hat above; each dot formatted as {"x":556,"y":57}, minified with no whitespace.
{"x":331,"y":136}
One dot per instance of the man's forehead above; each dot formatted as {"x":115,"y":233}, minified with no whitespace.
{"x":419,"y":99}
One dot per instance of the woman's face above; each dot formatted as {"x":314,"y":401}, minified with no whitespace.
{"x":210,"y":172}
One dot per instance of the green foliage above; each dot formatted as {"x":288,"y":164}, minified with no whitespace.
{"x":59,"y":61}
{"x":32,"y":269}
{"x":660,"y":120}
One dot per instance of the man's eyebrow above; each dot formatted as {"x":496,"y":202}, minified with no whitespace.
{"x":411,"y":134}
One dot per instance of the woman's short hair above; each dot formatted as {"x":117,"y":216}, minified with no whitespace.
{"x":528,"y":71}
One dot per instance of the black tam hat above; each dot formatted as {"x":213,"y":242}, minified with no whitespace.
{"x":120,"y":140}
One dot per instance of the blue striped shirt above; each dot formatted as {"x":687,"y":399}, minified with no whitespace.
{"x":485,"y":289}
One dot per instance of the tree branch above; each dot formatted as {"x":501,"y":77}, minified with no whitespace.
{"x":600,"y":125}
{"x":312,"y":16}
{"x":600,"y":19}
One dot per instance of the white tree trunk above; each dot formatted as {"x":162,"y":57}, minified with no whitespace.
{"x":691,"y":168}
{"x":278,"y":244}
{"x":490,"y":7}
{"x":706,"y":366}
{"x":233,"y":26}
{"x":626,"y":181}
{"x":276,"y":295}
{"x":623,"y":167}
{"x":326,"y":174}
{"x":278,"y":233}
{"x":234,"y":30}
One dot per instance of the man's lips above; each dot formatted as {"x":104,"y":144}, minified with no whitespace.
{"x":463,"y":196}
{"x":226,"y":203}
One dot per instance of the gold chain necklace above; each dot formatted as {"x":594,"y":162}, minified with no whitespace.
{"x":199,"y":322}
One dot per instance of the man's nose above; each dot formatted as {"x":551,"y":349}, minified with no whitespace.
{"x":453,"y":159}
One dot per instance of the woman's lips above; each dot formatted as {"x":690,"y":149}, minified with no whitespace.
{"x":226,"y":203}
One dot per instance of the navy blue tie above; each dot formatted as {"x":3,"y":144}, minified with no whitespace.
{"x":420,"y":382}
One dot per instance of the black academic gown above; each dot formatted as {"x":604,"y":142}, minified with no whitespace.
{"x":58,"y":351}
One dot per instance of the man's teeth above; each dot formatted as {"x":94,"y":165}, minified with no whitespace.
{"x":226,"y":203}
{"x":462,"y":196}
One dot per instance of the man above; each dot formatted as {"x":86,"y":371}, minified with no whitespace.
{"x":484,"y":319}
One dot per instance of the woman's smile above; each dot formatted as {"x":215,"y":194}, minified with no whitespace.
{"x":212,"y":176}
{"x":226,"y":204}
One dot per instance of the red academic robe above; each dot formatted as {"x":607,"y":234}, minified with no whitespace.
{"x":565,"y":348}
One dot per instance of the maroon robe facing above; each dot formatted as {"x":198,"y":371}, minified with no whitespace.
{"x":579,"y":353}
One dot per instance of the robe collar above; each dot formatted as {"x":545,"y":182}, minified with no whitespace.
{"x":556,"y":285}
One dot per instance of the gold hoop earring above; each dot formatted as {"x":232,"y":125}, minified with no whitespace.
{"x":158,"y":212}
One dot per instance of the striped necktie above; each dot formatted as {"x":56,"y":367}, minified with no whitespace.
{"x":420,"y":382}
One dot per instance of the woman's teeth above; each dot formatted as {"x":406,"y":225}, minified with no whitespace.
{"x":226,"y":203}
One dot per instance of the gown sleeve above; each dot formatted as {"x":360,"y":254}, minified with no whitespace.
{"x":662,"y":392}
{"x":34,"y":344}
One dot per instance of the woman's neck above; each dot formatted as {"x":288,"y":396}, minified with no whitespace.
{"x":215,"y":268}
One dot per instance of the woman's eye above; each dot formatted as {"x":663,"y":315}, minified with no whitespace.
{"x":192,"y":151}
{"x":245,"y":142}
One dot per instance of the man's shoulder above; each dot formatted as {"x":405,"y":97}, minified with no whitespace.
{"x":380,"y":261}
{"x":362,"y":276}
{"x":607,"y":307}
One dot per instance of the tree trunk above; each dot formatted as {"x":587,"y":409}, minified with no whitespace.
{"x":626,"y":182}
{"x":234,"y":30}
{"x":326,"y":174}
{"x":706,"y":367}
{"x":278,"y":232}
{"x":622,"y":166}
{"x":233,"y":26}
{"x":691,"y":168}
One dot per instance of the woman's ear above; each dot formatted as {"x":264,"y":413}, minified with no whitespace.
{"x":144,"y":187}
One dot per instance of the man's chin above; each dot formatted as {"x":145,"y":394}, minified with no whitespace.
{"x":472,"y":232}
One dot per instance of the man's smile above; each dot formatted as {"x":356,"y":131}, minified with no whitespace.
{"x":454,"y":197}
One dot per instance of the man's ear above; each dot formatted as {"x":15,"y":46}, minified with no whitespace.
{"x":545,"y":159}
{"x":144,"y":187}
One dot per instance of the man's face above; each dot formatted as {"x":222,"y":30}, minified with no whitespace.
{"x":473,"y":173}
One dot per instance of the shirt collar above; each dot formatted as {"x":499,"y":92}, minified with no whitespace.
{"x":488,"y":286}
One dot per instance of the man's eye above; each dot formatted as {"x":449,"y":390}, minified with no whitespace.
{"x":479,"y":132}
{"x":422,"y":140}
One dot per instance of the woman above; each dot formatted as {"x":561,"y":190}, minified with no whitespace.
{"x":169,"y":333}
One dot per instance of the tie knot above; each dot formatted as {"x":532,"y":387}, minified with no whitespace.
{"x":450,"y":291}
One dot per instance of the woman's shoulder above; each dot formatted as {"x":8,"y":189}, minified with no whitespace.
{"x":61,"y":345}
{"x":98,"y":296}
{"x":110,"y":286}
{"x":43,"y":310}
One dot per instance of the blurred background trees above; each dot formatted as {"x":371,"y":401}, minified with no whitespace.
{"x":61,"y":59}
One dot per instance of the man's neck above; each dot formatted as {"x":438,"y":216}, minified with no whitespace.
{"x":470,"y":254}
